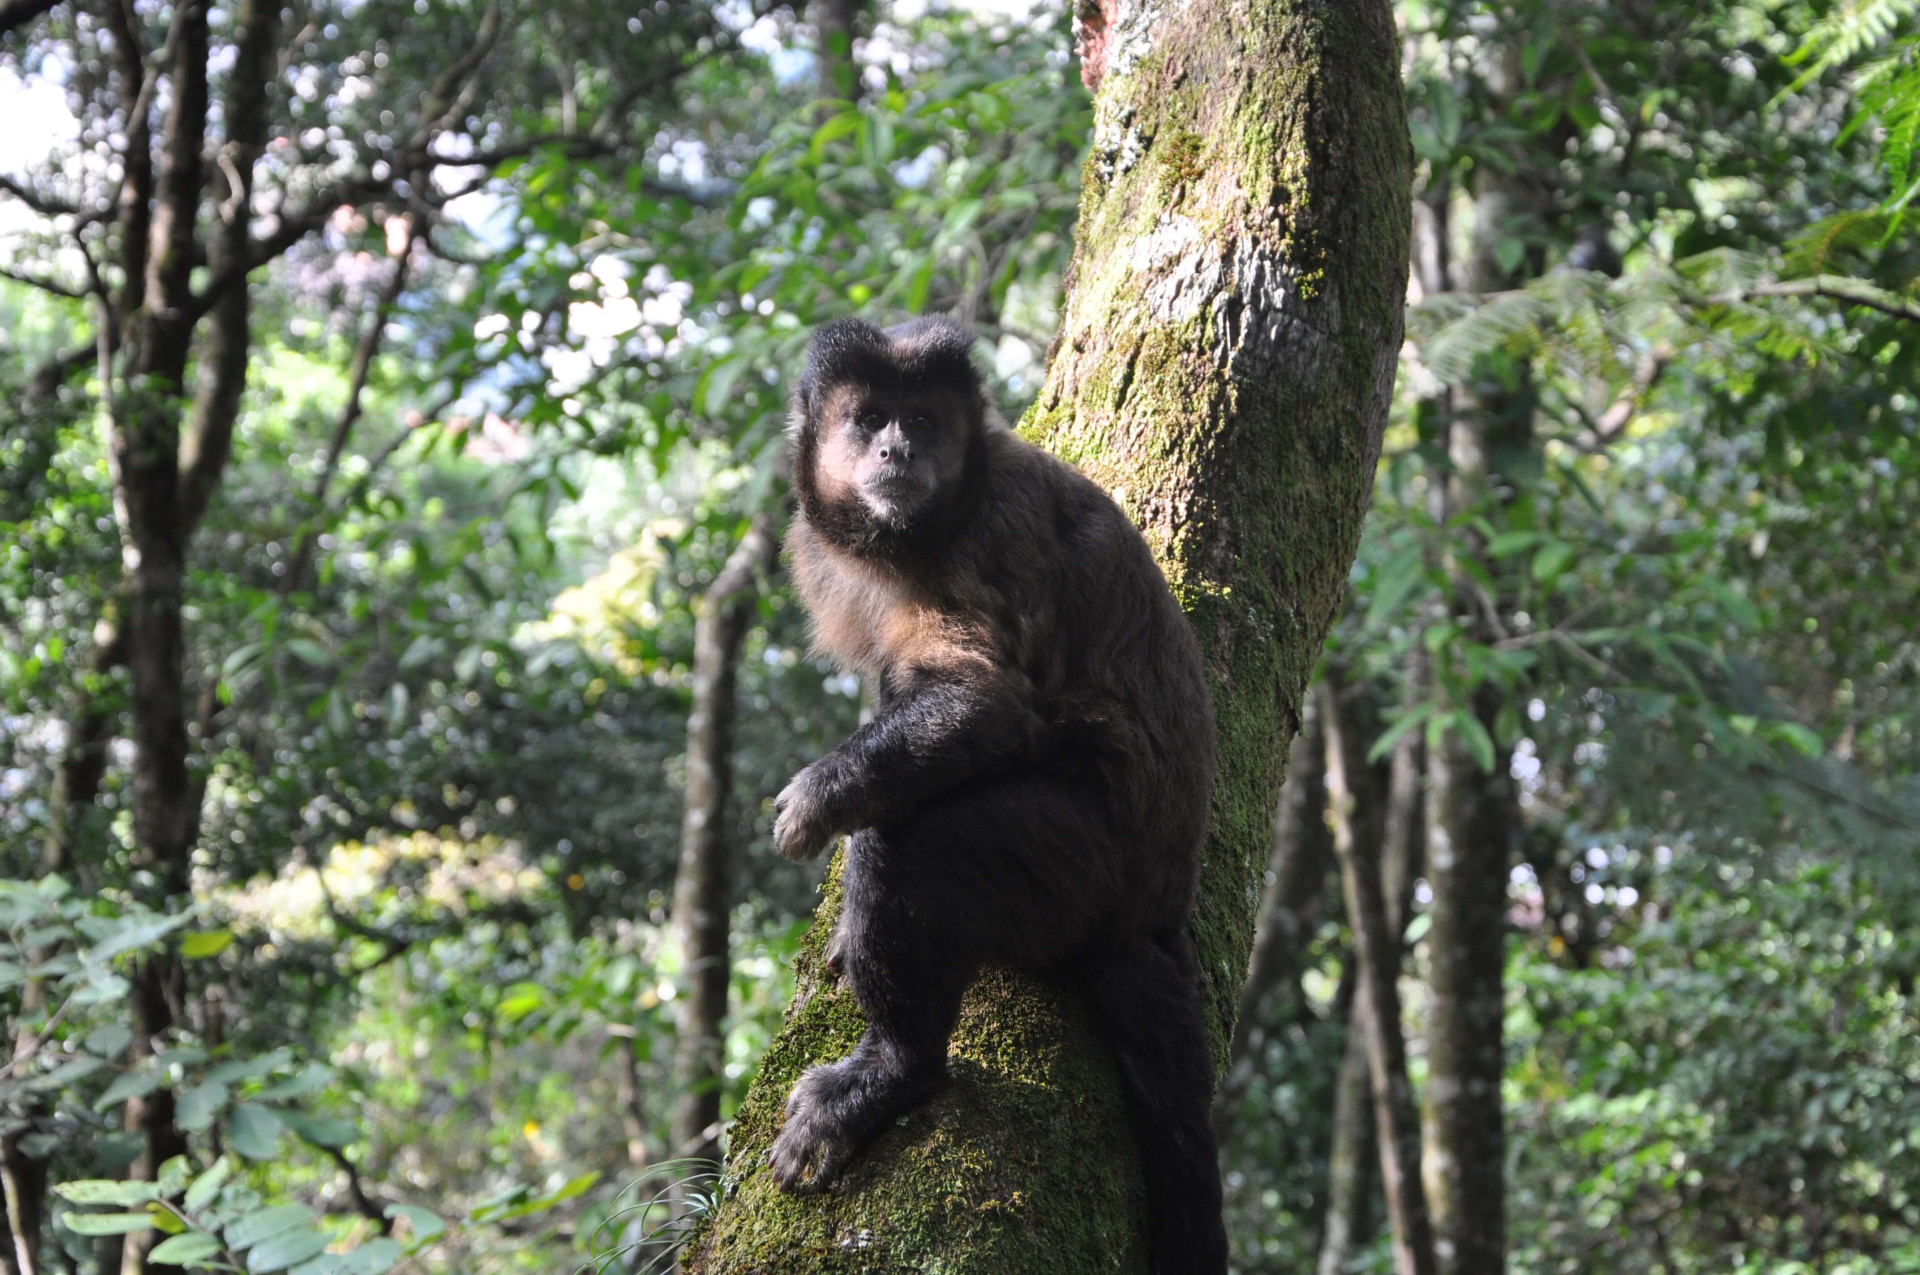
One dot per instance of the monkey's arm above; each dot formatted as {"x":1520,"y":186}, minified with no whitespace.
{"x":945,"y":727}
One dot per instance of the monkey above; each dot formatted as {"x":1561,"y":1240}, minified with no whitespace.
{"x":1032,"y":789}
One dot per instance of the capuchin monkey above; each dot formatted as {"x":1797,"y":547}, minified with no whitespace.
{"x":1032,"y":790}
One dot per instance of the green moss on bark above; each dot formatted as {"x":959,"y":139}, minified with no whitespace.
{"x":1227,"y":348}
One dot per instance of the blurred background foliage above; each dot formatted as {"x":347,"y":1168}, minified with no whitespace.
{"x":507,"y":413}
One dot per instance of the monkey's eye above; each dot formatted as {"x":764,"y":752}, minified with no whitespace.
{"x":922,"y":421}
{"x":870,"y":419}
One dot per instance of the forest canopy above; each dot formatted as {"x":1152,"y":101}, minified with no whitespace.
{"x":392,"y":407}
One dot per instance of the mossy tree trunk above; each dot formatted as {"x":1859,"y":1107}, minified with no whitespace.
{"x":1227,"y":349}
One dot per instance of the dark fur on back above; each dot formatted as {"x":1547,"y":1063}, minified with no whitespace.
{"x":1032,"y":790}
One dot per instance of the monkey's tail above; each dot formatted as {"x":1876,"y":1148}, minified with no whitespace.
{"x":1147,"y":997}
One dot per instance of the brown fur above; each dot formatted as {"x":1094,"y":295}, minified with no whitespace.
{"x":1033,"y":787}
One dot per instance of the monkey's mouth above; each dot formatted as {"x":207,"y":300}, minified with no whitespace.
{"x":893,"y":494}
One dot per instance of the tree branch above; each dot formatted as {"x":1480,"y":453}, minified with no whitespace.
{"x":44,"y":204}
{"x":137,"y":84}
{"x":171,"y":255}
{"x":51,"y":375}
{"x":44,"y":285}
{"x":1376,"y":1007}
{"x":1831,"y":287}
{"x":17,"y":13}
{"x":361,"y":367}
{"x":453,"y":89}
{"x":209,"y":438}
{"x":363,"y":1203}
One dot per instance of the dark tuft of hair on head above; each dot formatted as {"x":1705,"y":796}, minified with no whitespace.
{"x":927,"y":353}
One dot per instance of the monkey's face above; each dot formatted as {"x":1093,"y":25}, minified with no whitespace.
{"x":896,"y":456}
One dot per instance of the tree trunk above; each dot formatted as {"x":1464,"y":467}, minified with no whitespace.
{"x":1349,"y":1223}
{"x":833,"y":27}
{"x":1349,"y":1216}
{"x":1470,"y":823}
{"x":1228,"y":347}
{"x":1289,"y":910}
{"x":1359,"y":827}
{"x":703,"y":886}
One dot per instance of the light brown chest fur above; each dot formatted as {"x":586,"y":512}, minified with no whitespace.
{"x":868,"y":618}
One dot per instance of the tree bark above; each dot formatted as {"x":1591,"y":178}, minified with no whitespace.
{"x":1349,"y":1222}
{"x":833,"y":22}
{"x":1358,"y":839}
{"x":703,"y":886}
{"x":1289,"y":910}
{"x":145,"y":404}
{"x":1350,"y":1164}
{"x":1470,"y":826}
{"x":1228,"y":346}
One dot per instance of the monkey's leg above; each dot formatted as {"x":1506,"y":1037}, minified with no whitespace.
{"x":984,"y":873}
{"x":1147,"y":995}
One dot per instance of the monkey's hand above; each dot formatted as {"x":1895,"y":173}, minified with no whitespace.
{"x":804,"y":822}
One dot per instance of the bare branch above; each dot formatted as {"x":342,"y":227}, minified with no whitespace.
{"x":45,"y":285}
{"x":177,"y":197}
{"x":1832,"y":288}
{"x":209,"y":439}
{"x":44,"y":204}
{"x":51,"y":375}
{"x":363,"y":1203}
{"x":453,"y":89}
{"x":362,"y":366}
{"x":131,"y":202}
{"x":1621,"y":410}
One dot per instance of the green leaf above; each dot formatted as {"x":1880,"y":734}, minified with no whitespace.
{"x":1508,"y":543}
{"x":716,"y":384}
{"x":264,"y":1224}
{"x":207,"y":1186}
{"x":200,"y":1104}
{"x":140,"y":934}
{"x":1797,"y":737}
{"x":1478,"y":741}
{"x":322,"y":1131}
{"x":1407,"y":721}
{"x":174,"y":1175}
{"x":251,"y":1068}
{"x":574,"y":1187}
{"x":521,"y":999}
{"x":66,"y":1074}
{"x":375,"y":1257}
{"x":134,"y":1084}
{"x":239,"y":658}
{"x":106,"y":1191}
{"x":289,"y":1248}
{"x":309,"y":651}
{"x":107,"y":1223}
{"x":254,"y":1131}
{"x":200,"y":944}
{"x":1398,"y":578}
{"x":185,"y":1250}
{"x":109,"y":1039}
{"x":309,"y":1078}
{"x":424,"y":1223}
{"x":1552,"y":561}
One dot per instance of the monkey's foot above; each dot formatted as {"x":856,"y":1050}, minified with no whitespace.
{"x":833,"y":1112}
